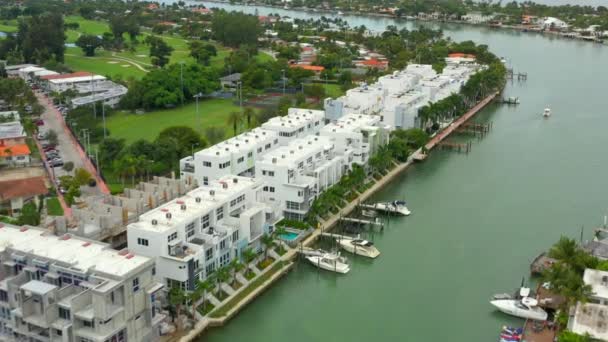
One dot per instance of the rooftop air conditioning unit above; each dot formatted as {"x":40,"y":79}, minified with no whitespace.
{"x":235,"y":180}
{"x":183,"y":207}
{"x":274,"y":160}
{"x":168,"y":215}
{"x":224,"y":185}
{"x":212,"y":192}
{"x":154,"y":222}
{"x":198,"y":200}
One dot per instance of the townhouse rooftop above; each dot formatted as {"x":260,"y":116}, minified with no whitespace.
{"x":351,"y":123}
{"x":297,"y":150}
{"x":76,"y":252}
{"x":194,"y":204}
{"x":296,"y":117}
{"x":12,"y":129}
{"x":241,"y":143}
{"x":598,"y":280}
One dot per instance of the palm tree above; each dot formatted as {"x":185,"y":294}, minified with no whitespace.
{"x":249,"y":256}
{"x":268,"y":242}
{"x":235,"y":267}
{"x":194,"y":297}
{"x":280,"y":230}
{"x":234,"y":120}
{"x":176,"y":299}
{"x":565,"y":250}
{"x":203,"y":287}
{"x":251,"y":117}
{"x":222,"y":275}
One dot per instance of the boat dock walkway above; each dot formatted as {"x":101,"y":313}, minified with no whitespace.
{"x":437,"y":139}
{"x":364,"y":222}
{"x":337,"y":236}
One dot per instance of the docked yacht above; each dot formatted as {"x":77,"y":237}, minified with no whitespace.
{"x":330,"y":262}
{"x":359,"y":247}
{"x":547,"y":112}
{"x":395,"y":207}
{"x":523,"y":306}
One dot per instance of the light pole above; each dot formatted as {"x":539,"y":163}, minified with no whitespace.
{"x":181,"y":77}
{"x":240,"y":94}
{"x":200,"y":120}
{"x":93,"y":95}
{"x":103,"y":114}
{"x":193,"y":150}
{"x":283,"y":70}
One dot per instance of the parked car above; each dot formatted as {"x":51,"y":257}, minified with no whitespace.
{"x":46,"y":147}
{"x":39,"y":122}
{"x":62,"y":190}
{"x":41,"y":136}
{"x":56,"y":163}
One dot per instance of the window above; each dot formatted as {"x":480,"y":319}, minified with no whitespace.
{"x":153,"y":271}
{"x":135,"y":284}
{"x":142,"y":242}
{"x":265,"y":189}
{"x":292,"y":205}
{"x":205,"y":180}
{"x":205,"y":221}
{"x":316,"y":123}
{"x":235,"y":236}
{"x":271,"y":189}
{"x":300,"y":165}
{"x":309,"y":160}
{"x":209,"y":269}
{"x":64,"y":313}
{"x":223,"y":244}
{"x":206,"y":164}
{"x":276,"y":141}
{"x":259,"y":150}
{"x":172,"y":237}
{"x":268,"y":146}
{"x":3,"y":296}
{"x":88,"y":324}
{"x":209,"y":254}
{"x":270,"y":173}
{"x":224,"y":165}
{"x":219,"y":213}
{"x":190,"y":230}
{"x":289,"y":174}
{"x":250,"y":154}
{"x":300,"y":193}
{"x":240,"y":160}
{"x":224,"y":259}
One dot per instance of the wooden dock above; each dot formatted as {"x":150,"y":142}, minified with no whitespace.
{"x":509,"y":101}
{"x":541,"y":263}
{"x":437,"y":139}
{"x":535,"y":331}
{"x":460,"y":148}
{"x":362,"y":222}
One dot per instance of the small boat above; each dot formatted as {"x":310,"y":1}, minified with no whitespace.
{"x":395,"y":207}
{"x":340,"y":13}
{"x":369,"y":213}
{"x":547,"y":112}
{"x":359,"y":247}
{"x":523,"y":307}
{"x":503,"y":60}
{"x":330,"y":262}
{"x":502,"y":296}
{"x":509,"y":334}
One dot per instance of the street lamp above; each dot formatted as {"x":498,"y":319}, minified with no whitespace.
{"x":283,"y":70}
{"x":200,"y":121}
{"x":239,"y":91}
{"x":181,"y":77}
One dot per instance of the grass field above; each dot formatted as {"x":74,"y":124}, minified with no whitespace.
{"x":88,"y":26}
{"x":333,"y":90}
{"x":103,"y":63}
{"x":131,"y":127}
{"x":53,"y":207}
{"x":7,"y":28}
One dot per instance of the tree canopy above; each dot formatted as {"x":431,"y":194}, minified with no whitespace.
{"x":235,"y":29}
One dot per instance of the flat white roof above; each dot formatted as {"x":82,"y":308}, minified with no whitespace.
{"x":77,"y":79}
{"x":297,"y":150}
{"x":598,"y":280}
{"x":79,"y":253}
{"x":31,"y":69}
{"x":195,"y":203}
{"x":241,"y":143}
{"x":45,"y":72}
{"x":590,"y":318}
{"x":296,"y":117}
{"x":350,"y":123}
{"x":11,"y":129}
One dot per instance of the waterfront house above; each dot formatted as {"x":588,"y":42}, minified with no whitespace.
{"x":298,"y":123}
{"x":591,"y":317}
{"x":68,"y":289}
{"x":295,"y":174}
{"x":192,"y":236}
{"x":477,"y":18}
{"x":554,"y":24}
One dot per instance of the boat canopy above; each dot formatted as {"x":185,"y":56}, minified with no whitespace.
{"x":524,"y":291}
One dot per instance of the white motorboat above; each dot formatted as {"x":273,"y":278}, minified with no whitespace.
{"x":359,"y":247}
{"x":330,"y":262}
{"x":547,"y":112}
{"x":523,"y":306}
{"x":340,"y":13}
{"x":395,"y":207}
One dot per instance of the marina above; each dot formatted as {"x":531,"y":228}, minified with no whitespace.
{"x":511,"y":193}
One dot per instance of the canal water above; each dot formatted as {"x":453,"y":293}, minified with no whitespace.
{"x":478,"y":219}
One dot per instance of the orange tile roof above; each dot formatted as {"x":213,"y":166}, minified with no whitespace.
{"x":460,"y":55}
{"x":15,"y":150}
{"x":374,"y":62}
{"x":315,"y":68}
{"x":22,"y":188}
{"x":61,"y":76}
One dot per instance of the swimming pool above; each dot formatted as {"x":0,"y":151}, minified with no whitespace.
{"x":289,"y":236}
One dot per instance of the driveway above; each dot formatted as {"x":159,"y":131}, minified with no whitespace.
{"x":69,"y":149}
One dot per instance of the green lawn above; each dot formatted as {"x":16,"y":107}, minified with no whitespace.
{"x":7,"y":28}
{"x":131,"y":127}
{"x":53,"y":207}
{"x":95,"y":27}
{"x":103,"y":63}
{"x":333,"y":90}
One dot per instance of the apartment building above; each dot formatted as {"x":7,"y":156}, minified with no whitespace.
{"x":365,"y":99}
{"x":357,"y":135}
{"x":235,"y":156}
{"x":295,"y":174}
{"x":298,"y":123}
{"x":399,"y":81}
{"x":401,"y":108}
{"x":63,"y":288}
{"x":193,"y":235}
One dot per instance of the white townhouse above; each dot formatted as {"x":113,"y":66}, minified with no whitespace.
{"x":592,"y":317}
{"x":399,"y":81}
{"x":193,"y":235}
{"x":365,"y":99}
{"x":69,"y":289}
{"x":401,"y":109}
{"x":357,"y":135}
{"x":235,"y":156}
{"x":297,"y":123}
{"x":295,"y":174}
